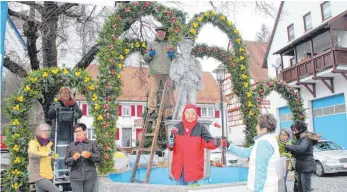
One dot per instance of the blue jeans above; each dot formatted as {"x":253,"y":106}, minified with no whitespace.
{"x":182,"y":182}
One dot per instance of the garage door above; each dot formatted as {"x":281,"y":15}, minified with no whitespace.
{"x":286,"y":117}
{"x":329,"y":118}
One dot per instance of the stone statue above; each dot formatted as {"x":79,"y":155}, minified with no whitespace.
{"x":186,"y":72}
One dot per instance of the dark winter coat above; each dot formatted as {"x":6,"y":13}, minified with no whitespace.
{"x":83,"y":169}
{"x":65,"y":129}
{"x":303,"y":152}
{"x":188,"y":152}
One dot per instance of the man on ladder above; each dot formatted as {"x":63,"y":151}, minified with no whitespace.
{"x":159,"y":56}
{"x":65,"y":112}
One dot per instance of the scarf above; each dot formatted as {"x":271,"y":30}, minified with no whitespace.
{"x":42,"y":141}
{"x":188,"y":126}
{"x":81,"y":139}
{"x":68,"y":103}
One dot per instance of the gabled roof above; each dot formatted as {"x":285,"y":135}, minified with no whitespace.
{"x":273,"y":34}
{"x":135,"y":90}
{"x":256,"y":51}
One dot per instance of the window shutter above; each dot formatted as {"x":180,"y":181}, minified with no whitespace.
{"x":132,"y":110}
{"x":217,"y":114}
{"x":84,"y":109}
{"x":138,"y":131}
{"x":119,"y":110}
{"x":117,"y":134}
{"x":139,"y":110}
{"x":198,"y":111}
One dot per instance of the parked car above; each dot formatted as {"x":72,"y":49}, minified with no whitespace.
{"x":329,"y":157}
{"x":2,"y":143}
{"x":231,"y":159}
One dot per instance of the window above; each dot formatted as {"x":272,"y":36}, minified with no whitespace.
{"x":126,"y":110}
{"x":330,"y":110}
{"x":290,"y":31}
{"x":325,"y":10}
{"x":286,"y":117}
{"x":327,"y":146}
{"x":207,"y":112}
{"x":307,"y":21}
{"x":340,"y":108}
{"x":292,"y":61}
{"x":63,"y":53}
{"x":91,"y":133}
{"x":317,"y":112}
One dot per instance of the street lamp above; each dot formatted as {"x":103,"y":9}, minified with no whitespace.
{"x":220,"y":74}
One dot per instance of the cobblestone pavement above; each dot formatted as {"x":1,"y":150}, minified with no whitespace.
{"x":328,"y":183}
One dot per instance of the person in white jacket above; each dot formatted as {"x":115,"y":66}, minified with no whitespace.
{"x":264,"y":157}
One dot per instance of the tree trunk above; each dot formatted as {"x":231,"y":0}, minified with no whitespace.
{"x":49,"y":34}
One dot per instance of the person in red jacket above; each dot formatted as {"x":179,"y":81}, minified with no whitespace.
{"x":188,"y":146}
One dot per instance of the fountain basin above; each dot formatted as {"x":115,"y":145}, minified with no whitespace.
{"x":160,"y":176}
{"x":222,"y":179}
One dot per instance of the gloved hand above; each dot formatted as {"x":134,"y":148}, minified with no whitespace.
{"x":171,"y":54}
{"x":152,"y":53}
{"x":86,"y":154}
{"x":171,"y":142}
{"x":55,"y":156}
{"x":217,"y":141}
{"x":76,"y":156}
{"x":224,"y":143}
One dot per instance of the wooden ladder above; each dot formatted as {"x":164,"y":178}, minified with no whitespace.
{"x":153,"y":148}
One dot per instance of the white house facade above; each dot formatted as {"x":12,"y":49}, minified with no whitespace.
{"x":308,"y":51}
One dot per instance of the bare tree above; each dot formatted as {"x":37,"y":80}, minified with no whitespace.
{"x":263,"y":35}
{"x":48,"y":27}
{"x":44,"y":28}
{"x":227,"y":7}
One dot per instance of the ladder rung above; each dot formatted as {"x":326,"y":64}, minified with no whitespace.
{"x":149,"y":134}
{"x":138,"y":181}
{"x":62,"y":170}
{"x":145,"y":149}
{"x":61,"y":182}
{"x":62,"y":145}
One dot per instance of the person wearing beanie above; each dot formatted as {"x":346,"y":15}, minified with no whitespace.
{"x":188,"y":146}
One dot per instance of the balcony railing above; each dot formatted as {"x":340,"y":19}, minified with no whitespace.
{"x":317,"y":63}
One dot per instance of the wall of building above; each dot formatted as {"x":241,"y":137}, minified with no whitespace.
{"x":292,"y":13}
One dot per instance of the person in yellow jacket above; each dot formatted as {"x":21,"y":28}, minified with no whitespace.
{"x":40,"y":158}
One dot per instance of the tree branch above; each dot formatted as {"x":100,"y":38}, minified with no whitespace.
{"x":213,"y":6}
{"x":73,"y":15}
{"x":15,"y":68}
{"x":88,"y":58}
{"x":66,"y":6}
{"x":37,"y":6}
{"x":21,"y":16}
